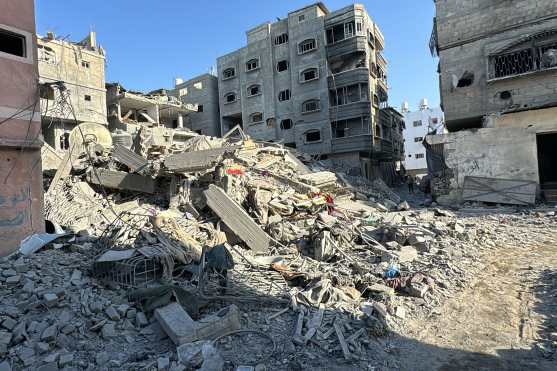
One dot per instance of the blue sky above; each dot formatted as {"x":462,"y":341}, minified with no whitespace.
{"x":148,"y":43}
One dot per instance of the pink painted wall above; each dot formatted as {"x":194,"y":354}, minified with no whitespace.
{"x":21,"y":194}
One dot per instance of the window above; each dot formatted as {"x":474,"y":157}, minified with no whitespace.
{"x":359,"y":27}
{"x":286,"y":124}
{"x":418,"y":139}
{"x":183,"y":92}
{"x":65,"y":141}
{"x":417,"y":123}
{"x":230,"y":98}
{"x":282,"y":65}
{"x":301,"y":17}
{"x":46,"y":92}
{"x":419,"y":155}
{"x":46,"y":54}
{"x":199,"y":108}
{"x":313,"y":136}
{"x":87,"y":98}
{"x":311,"y":105}
{"x":284,"y":95}
{"x":254,"y":90}
{"x":306,"y":46}
{"x":228,"y":73}
{"x":256,"y":117}
{"x":309,"y":75}
{"x":349,"y":94}
{"x":252,"y":64}
{"x":348,"y":30}
{"x":12,"y":43}
{"x":281,"y":39}
{"x":85,"y":64}
{"x":198,"y":85}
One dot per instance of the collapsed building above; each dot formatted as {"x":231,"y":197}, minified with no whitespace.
{"x":21,"y":195}
{"x":141,"y":120}
{"x":498,"y":67}
{"x":314,"y":81}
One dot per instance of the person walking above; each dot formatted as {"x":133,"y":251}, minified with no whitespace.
{"x":411,"y":182}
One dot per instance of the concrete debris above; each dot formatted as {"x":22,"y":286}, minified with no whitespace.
{"x":244,"y":256}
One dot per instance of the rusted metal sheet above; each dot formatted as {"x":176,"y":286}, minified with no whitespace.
{"x":501,"y":191}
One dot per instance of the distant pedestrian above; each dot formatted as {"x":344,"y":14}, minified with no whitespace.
{"x":411,"y":182}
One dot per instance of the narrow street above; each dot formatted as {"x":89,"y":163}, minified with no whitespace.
{"x":500,"y":323}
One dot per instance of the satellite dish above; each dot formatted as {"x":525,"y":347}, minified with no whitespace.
{"x":87,"y":135}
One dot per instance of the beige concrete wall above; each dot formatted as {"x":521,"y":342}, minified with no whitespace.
{"x":539,"y":121}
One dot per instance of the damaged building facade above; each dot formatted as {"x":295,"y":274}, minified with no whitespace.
{"x":72,"y":87}
{"x":21,"y":194}
{"x":498,"y":82}
{"x":314,"y":81}
{"x":202,"y":94}
{"x":137,"y":120}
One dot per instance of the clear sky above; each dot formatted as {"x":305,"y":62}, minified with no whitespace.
{"x":149,"y":43}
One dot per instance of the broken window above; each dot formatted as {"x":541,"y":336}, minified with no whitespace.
{"x":306,"y":46}
{"x":65,"y":141}
{"x":281,"y":39}
{"x":349,"y":94}
{"x":230,"y":98}
{"x":309,"y":74}
{"x":256,"y":117}
{"x":85,"y":64}
{"x":284,"y":95}
{"x":198,"y":85}
{"x":199,"y":108}
{"x":301,"y":17}
{"x":252,"y":64}
{"x":417,"y":123}
{"x":46,"y":92}
{"x":418,"y":139}
{"x":228,"y":73}
{"x":286,"y":124}
{"x":311,"y":105}
{"x":282,"y":65}
{"x":467,"y":79}
{"x":12,"y":43}
{"x":46,"y":54}
{"x":87,"y":98}
{"x":313,"y":136}
{"x":254,"y":90}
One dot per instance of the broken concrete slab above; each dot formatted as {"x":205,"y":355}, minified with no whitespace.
{"x":237,"y":219}
{"x":197,"y":160}
{"x":121,"y":180}
{"x":136,"y":163}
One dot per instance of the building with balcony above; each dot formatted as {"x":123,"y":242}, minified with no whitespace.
{"x":314,"y":81}
{"x":498,"y":84}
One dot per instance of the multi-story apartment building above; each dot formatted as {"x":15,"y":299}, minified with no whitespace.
{"x":419,"y":124}
{"x":498,"y":74}
{"x":72,"y":82}
{"x":21,"y":192}
{"x":202,"y":93}
{"x":314,"y":81}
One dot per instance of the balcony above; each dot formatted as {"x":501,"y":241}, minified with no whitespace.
{"x":347,"y":46}
{"x":359,"y":143}
{"x":354,"y":76}
{"x":350,"y":110}
{"x":381,"y":61}
{"x":379,"y":39}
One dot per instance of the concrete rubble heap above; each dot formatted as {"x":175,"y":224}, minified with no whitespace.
{"x":228,"y":254}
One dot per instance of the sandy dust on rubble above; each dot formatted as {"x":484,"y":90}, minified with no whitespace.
{"x":500,"y":322}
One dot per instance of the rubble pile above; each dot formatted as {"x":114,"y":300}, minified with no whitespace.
{"x":233,"y":255}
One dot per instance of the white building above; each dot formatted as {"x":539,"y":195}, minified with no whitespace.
{"x":419,"y":124}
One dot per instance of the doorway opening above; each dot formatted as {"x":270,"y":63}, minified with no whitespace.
{"x":547,"y":153}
